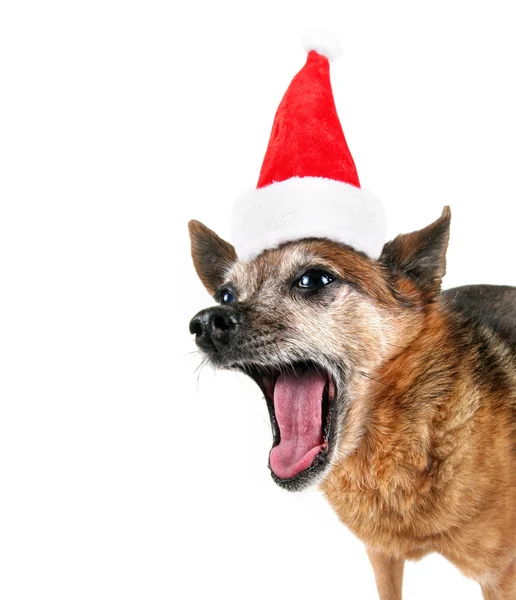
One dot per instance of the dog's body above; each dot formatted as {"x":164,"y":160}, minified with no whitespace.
{"x":414,"y":439}
{"x":434,"y":470}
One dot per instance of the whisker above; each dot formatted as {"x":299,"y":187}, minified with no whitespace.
{"x":378,"y":380}
{"x":198,"y":370}
{"x":200,"y":365}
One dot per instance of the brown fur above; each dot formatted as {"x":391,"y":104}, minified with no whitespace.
{"x":426,"y":435}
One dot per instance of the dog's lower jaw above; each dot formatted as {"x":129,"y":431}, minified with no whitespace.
{"x":303,"y":405}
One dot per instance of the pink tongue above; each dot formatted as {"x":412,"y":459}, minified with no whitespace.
{"x":297,"y":404}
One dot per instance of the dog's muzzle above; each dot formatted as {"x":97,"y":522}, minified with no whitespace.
{"x":215,"y":327}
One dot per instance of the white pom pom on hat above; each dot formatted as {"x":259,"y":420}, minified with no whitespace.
{"x":323,"y":42}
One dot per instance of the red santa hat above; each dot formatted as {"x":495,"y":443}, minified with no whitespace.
{"x":308,"y":185}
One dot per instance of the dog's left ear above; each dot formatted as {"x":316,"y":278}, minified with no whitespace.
{"x":421,"y":255}
{"x":211,"y":255}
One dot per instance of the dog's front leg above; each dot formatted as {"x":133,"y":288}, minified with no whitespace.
{"x":505,"y":586}
{"x":388,"y":573}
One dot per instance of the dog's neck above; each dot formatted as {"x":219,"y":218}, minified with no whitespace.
{"x":400,"y":412}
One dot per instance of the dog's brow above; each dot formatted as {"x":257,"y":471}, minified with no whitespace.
{"x":313,"y":262}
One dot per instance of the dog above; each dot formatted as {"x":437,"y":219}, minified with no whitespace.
{"x":397,"y":399}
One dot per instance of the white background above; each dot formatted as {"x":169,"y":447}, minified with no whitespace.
{"x":124,"y":474}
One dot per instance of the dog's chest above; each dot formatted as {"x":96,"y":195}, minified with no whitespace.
{"x":382,"y":509}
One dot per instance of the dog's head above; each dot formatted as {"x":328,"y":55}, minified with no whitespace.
{"x":311,"y":322}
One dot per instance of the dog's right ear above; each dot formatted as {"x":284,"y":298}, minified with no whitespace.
{"x":421,"y":255}
{"x":211,"y":255}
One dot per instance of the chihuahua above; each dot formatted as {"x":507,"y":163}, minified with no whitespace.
{"x":396,"y":399}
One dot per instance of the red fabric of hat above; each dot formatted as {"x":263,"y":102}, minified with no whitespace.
{"x":307,"y":139}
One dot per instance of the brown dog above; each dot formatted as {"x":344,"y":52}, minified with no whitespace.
{"x":398,"y":400}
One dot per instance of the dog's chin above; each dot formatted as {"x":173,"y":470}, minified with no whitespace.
{"x":301,"y":399}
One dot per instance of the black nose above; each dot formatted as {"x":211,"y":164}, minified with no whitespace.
{"x":212,"y":327}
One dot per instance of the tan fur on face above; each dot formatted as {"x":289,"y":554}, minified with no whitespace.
{"x":350,"y":327}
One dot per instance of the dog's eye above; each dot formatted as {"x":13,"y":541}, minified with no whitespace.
{"x":226,"y":297}
{"x":313,"y":280}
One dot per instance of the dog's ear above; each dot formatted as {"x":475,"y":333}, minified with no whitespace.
{"x":421,"y":255}
{"x":211,"y":255}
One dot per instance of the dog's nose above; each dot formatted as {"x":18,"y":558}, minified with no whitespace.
{"x":212,"y":327}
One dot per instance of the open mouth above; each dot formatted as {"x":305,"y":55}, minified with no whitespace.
{"x":301,"y":403}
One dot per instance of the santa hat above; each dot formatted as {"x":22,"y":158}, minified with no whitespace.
{"x":308,"y":185}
